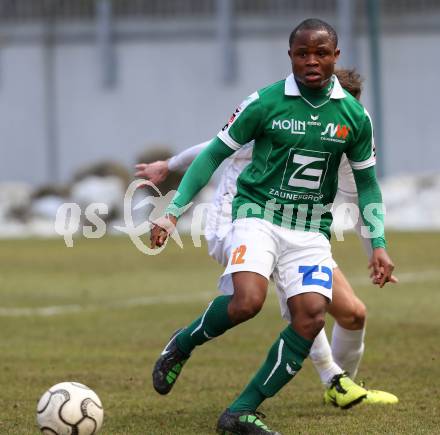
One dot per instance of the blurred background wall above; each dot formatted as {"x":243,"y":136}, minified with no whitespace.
{"x":83,"y":80}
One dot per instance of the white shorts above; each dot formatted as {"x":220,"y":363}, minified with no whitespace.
{"x":298,"y":261}
{"x":219,"y":245}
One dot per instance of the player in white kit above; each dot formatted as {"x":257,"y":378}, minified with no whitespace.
{"x":342,"y":358}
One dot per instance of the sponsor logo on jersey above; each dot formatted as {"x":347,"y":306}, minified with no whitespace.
{"x":335,"y":133}
{"x":304,"y":172}
{"x":232,"y":118}
{"x":253,"y":97}
{"x":293,"y":125}
{"x":314,"y":120}
{"x":295,"y":196}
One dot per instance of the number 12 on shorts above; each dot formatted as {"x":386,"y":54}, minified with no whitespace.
{"x":238,"y":255}
{"x":325,"y":274}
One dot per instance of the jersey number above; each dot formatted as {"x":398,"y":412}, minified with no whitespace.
{"x":238,"y":255}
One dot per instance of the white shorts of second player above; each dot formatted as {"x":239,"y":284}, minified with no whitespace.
{"x":298,"y":261}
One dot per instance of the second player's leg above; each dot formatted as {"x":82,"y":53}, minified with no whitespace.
{"x":348,"y":334}
{"x":349,"y":313}
{"x":346,"y":308}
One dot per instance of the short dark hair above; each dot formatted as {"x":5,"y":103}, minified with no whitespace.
{"x":314,"y":24}
{"x":350,"y":80}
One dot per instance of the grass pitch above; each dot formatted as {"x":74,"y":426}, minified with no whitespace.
{"x":100,"y":313}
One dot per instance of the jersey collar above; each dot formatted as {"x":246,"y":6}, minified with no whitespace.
{"x":291,"y":88}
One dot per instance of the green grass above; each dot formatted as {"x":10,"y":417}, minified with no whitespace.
{"x":111,"y":346}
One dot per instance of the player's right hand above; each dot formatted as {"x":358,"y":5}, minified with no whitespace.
{"x":158,"y":236}
{"x":161,"y":229}
{"x":381,"y":266}
{"x":375,"y":280}
{"x":156,"y":172}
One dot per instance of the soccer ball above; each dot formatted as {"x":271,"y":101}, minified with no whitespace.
{"x":69,"y":408}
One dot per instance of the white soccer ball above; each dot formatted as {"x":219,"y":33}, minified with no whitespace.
{"x":70,"y":408}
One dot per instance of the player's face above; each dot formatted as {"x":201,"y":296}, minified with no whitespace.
{"x":313,"y":55}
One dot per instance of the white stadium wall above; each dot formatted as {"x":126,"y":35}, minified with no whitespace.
{"x":169,"y":91}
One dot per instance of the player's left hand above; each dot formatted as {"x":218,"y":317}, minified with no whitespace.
{"x":161,"y":229}
{"x":381,"y":267}
{"x":156,"y":172}
{"x":393,"y":280}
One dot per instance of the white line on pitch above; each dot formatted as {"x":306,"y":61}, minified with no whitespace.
{"x":125,"y":303}
{"x":404,"y":278}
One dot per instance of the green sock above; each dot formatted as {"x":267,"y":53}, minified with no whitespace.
{"x":214,"y":322}
{"x":283,"y":361}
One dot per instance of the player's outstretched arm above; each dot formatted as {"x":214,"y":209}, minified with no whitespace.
{"x":371,"y":209}
{"x":157,"y":172}
{"x":195,"y":178}
{"x":347,"y":193}
{"x":182,"y":161}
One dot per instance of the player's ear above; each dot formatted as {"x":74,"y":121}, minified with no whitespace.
{"x":337,"y":53}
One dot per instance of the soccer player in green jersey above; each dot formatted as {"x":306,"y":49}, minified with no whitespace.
{"x":301,"y":127}
{"x":337,"y":365}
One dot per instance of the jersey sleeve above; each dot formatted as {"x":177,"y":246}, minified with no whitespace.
{"x":362,"y":154}
{"x":366,"y":242}
{"x":348,"y":198}
{"x":370,"y":205}
{"x":244,"y":124}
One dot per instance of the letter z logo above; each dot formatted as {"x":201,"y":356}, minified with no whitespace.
{"x":305,"y":170}
{"x":313,"y":180}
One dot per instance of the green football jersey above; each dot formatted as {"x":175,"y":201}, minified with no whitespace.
{"x":292,"y":179}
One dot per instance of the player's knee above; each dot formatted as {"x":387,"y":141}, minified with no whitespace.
{"x":308,"y":314}
{"x":356,"y":318}
{"x":310,"y":323}
{"x":244,"y":308}
{"x":360,"y":315}
{"x":311,"y":327}
{"x":317,"y":322}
